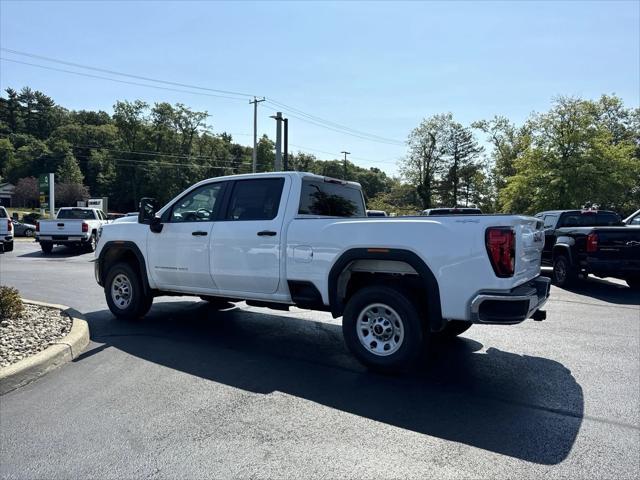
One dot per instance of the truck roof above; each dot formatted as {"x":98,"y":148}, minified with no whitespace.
{"x":280,"y":174}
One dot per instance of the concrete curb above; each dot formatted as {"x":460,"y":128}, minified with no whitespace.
{"x":58,"y":353}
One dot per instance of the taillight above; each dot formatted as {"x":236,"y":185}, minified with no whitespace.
{"x":501,"y":247}
{"x":592,"y":242}
{"x":9,"y":225}
{"x":37,"y":225}
{"x":85,"y":227}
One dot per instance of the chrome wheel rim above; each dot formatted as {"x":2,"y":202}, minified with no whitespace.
{"x":121,"y":291}
{"x":380,"y":329}
{"x":28,"y":233}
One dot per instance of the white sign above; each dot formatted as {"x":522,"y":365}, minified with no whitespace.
{"x":81,"y":203}
{"x":95,"y":203}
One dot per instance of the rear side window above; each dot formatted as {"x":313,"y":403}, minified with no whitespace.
{"x":330,"y":199}
{"x":550,"y":221}
{"x":607,"y":219}
{"x":255,"y":199}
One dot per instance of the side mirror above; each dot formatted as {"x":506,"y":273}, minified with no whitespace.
{"x":147,"y":212}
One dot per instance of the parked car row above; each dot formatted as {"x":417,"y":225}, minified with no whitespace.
{"x":597,"y":242}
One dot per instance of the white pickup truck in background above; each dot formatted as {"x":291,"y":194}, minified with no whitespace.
{"x":6,"y":231}
{"x":289,"y":238}
{"x":73,"y":227}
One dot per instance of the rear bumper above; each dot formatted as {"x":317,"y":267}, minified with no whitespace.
{"x":623,"y":268}
{"x":512,"y":306}
{"x":64,"y":239}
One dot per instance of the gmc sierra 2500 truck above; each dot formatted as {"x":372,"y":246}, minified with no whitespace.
{"x":290,"y":238}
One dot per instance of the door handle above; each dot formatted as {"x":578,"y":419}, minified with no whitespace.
{"x":267,"y":233}
{"x":199,"y":234}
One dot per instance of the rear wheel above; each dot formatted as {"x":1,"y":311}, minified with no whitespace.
{"x":91,"y":244}
{"x":124,"y":293}
{"x":634,"y":283}
{"x":8,"y":247}
{"x":382,"y":328}
{"x":46,"y":247}
{"x":564,"y":274}
{"x":452,"y":329}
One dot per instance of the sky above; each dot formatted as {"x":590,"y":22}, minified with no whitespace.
{"x":378,"y":68}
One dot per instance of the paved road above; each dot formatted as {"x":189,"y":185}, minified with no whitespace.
{"x":189,"y":392}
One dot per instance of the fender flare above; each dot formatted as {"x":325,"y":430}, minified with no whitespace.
{"x":127,"y":246}
{"x":336,"y":304}
{"x":564,"y":248}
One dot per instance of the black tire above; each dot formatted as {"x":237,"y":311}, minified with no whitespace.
{"x":131,"y":303}
{"x":46,"y":247}
{"x":8,"y":247}
{"x":564,"y":274}
{"x":634,"y":283}
{"x":405,"y":339}
{"x":90,"y":246}
{"x":28,"y":232}
{"x":452,"y":329}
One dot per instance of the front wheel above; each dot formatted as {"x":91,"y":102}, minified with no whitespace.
{"x":382,"y":327}
{"x":124,"y":293}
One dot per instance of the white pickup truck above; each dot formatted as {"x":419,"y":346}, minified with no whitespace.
{"x":282,"y":239}
{"x":6,"y":231}
{"x":73,"y":226}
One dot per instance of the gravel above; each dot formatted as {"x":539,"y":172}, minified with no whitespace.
{"x":31,"y":333}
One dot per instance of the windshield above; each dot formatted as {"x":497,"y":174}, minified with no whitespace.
{"x":76,"y":214}
{"x":331,"y":199}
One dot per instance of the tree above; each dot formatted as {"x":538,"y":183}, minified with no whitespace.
{"x":425,"y":160}
{"x":461,"y":150}
{"x":27,"y":193}
{"x":265,"y":156}
{"x":579,"y":154}
{"x":69,"y":171}
{"x":68,"y":194}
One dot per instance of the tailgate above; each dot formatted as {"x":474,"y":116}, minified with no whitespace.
{"x":622,"y":243}
{"x":61,"y":227}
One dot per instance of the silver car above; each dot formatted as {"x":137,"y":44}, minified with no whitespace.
{"x":23,"y":229}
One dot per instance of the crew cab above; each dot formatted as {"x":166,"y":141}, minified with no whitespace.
{"x":582,"y":242}
{"x":282,"y":239}
{"x":6,"y":231}
{"x":73,"y":227}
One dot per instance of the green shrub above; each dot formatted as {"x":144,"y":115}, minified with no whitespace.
{"x":10,"y":303}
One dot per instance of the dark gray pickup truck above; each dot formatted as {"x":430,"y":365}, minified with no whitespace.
{"x":582,"y":242}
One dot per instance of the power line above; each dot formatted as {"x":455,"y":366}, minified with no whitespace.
{"x":374,"y":137}
{"x":82,"y":74}
{"x":129,"y":75}
{"x":313,"y":119}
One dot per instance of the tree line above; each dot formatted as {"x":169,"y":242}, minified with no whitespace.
{"x":579,"y":152}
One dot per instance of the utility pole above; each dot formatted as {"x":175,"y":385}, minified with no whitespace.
{"x":255,"y":102}
{"x":278,"y":118}
{"x":345,"y":164}
{"x":286,"y":144}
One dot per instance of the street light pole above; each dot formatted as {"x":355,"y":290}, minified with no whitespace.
{"x":345,"y":163}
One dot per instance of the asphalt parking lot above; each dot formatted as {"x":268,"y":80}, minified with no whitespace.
{"x":248,"y":392}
